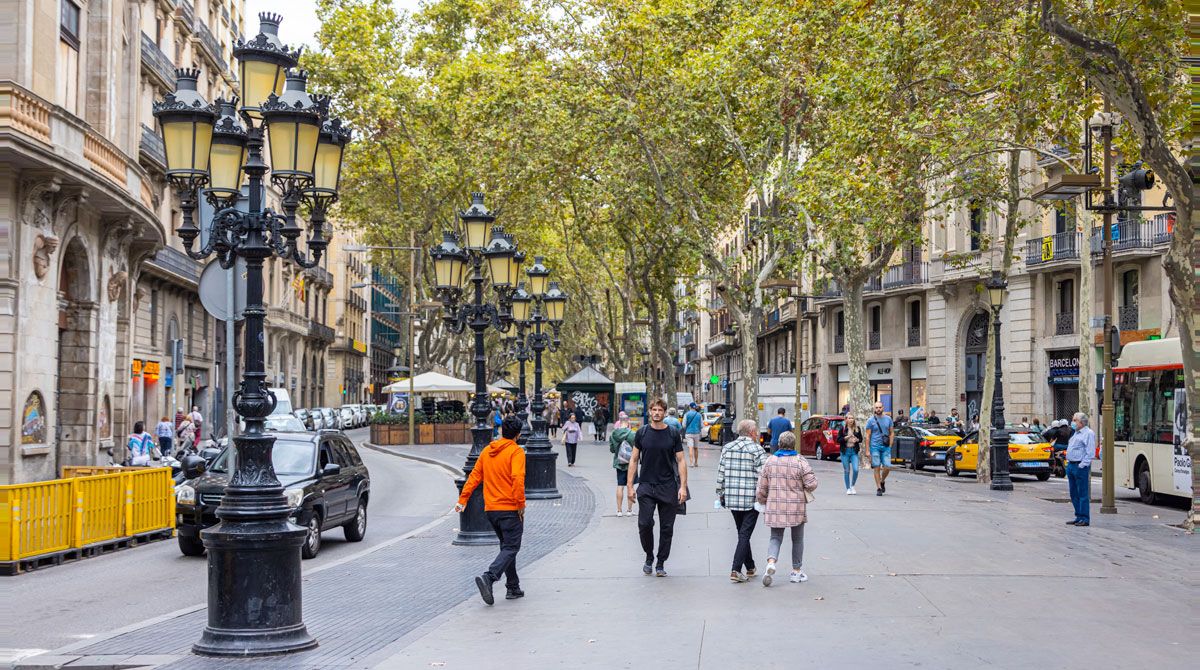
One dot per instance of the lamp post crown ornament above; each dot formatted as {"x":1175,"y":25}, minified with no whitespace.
{"x":267,"y":42}
{"x":477,"y":210}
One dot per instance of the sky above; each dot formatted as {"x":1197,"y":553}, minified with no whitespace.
{"x":299,"y":18}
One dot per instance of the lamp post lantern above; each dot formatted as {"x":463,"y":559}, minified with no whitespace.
{"x":522,"y":303}
{"x":541,"y":475}
{"x":254,"y":577}
{"x":996,"y":286}
{"x":451,"y":264}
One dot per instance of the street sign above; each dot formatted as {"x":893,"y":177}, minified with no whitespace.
{"x":724,"y":384}
{"x":714,"y":379}
{"x":213,"y":289}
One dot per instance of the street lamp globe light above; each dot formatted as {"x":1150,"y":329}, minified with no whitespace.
{"x":477,"y":220}
{"x":499,"y":255}
{"x":264,"y":62}
{"x":556,"y":303}
{"x":327,"y":170}
{"x":227,"y":158}
{"x":293,"y":122}
{"x":996,"y":286}
{"x":539,"y":276}
{"x":449,"y":263}
{"x":187,"y":121}
{"x":522,"y":304}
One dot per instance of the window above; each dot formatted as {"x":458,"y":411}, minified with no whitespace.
{"x":204,"y":325}
{"x":1064,"y":218}
{"x":68,"y":56}
{"x":976,"y":216}
{"x":1129,"y":287}
{"x":914,"y":315}
{"x":153,"y":314}
{"x":876,"y":318}
{"x":191,"y":327}
{"x":1066,"y":296}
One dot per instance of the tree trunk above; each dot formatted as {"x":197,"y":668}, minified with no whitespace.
{"x":748,"y":329}
{"x":860,"y":389}
{"x":1181,"y":267}
{"x":1087,"y":294}
{"x":983,"y":467}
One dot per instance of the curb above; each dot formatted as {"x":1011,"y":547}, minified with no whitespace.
{"x":452,"y":469}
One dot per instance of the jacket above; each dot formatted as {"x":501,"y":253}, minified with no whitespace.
{"x":501,"y":469}
{"x":843,"y":434}
{"x":738,"y":471}
{"x":781,"y":488}
{"x":614,"y":445}
{"x":572,"y":432}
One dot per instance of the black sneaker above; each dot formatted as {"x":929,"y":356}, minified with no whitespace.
{"x":660,"y":571}
{"x":514,"y":593}
{"x":647,"y":569}
{"x":879,"y":492}
{"x":1073,"y":522}
{"x":1083,"y":523}
{"x":484,"y":582}
{"x":883,"y":486}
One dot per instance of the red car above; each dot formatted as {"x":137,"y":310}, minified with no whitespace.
{"x":818,"y":436}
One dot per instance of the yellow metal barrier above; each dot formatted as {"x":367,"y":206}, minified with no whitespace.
{"x":69,"y":471}
{"x":93,"y":506}
{"x":36,"y":518}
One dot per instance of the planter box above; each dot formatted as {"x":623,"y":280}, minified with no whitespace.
{"x":452,"y":433}
{"x":425,"y":433}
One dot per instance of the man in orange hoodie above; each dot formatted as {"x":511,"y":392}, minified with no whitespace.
{"x":501,"y":468}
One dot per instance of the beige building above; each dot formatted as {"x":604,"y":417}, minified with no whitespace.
{"x":346,"y":371}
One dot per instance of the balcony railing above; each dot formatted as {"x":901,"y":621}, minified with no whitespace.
{"x":151,"y":149}
{"x":176,"y":262}
{"x":186,"y":14}
{"x":319,"y":276}
{"x":873,"y":341}
{"x":1127,"y":317}
{"x":1138,"y":234}
{"x":914,"y":337}
{"x":210,"y":45}
{"x":839,"y":344}
{"x":157,"y":63}
{"x":320,"y":332}
{"x":1050,"y":248}
{"x":1064,"y":323}
{"x":912,"y":273}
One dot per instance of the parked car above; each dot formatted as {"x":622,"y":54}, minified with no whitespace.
{"x":326,"y":484}
{"x":919,"y":446}
{"x":283,"y":401}
{"x":276,"y":423}
{"x":330,"y":417}
{"x":707,"y":421}
{"x":818,"y":436}
{"x":1028,"y":454}
{"x":305,"y":417}
{"x":318,"y":419}
{"x":348,"y":417}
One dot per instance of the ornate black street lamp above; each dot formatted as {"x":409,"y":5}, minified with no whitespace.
{"x":521,"y":302}
{"x":996,"y":286}
{"x":451,"y":262}
{"x":727,"y":434}
{"x":254,"y":579}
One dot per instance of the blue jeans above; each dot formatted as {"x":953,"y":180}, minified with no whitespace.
{"x":850,"y":466}
{"x":1079,"y":483}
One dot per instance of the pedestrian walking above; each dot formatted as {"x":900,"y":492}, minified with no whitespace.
{"x":622,"y":421}
{"x":198,"y":422}
{"x":850,"y":439}
{"x":673,"y":421}
{"x":880,"y":431}
{"x":555,"y":419}
{"x":778,"y":426}
{"x":737,"y":483}
{"x":693,"y":423}
{"x":497,"y":421}
{"x":501,"y":470}
{"x":620,"y":443}
{"x":1080,"y":451}
{"x":178,"y":417}
{"x":186,"y":433}
{"x":784,"y":488}
{"x":166,"y":434}
{"x":600,"y":421}
{"x":661,"y":486}
{"x":572,"y":433}
{"x":139,"y":445}
{"x":1036,"y":426}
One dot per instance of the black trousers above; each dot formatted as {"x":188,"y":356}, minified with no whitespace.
{"x":745,"y":521}
{"x":571,"y":453}
{"x":600,"y":431}
{"x":666,"y":526}
{"x":509,"y":528}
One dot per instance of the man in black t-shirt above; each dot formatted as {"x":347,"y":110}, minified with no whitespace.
{"x":661,"y":483}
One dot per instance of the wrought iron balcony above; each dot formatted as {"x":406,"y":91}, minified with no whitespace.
{"x":1127,"y":317}
{"x":210,"y":45}
{"x":320,"y":332}
{"x":914,"y":337}
{"x":1052,"y":248}
{"x":155,"y":62}
{"x":1064,"y":323}
{"x":1136,"y":235}
{"x":873,"y":341}
{"x":173,"y":261}
{"x":912,"y":273}
{"x":151,"y":150}
{"x":319,"y":276}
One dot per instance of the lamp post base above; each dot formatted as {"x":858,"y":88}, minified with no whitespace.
{"x":473,"y":526}
{"x":541,"y":475}
{"x":254,"y":590}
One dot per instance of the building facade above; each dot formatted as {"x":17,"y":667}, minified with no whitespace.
{"x":387,"y":363}
{"x":347,"y":369}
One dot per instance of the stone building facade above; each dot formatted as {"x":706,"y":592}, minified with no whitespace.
{"x":347,"y":369}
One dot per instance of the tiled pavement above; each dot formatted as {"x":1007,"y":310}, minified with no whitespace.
{"x":359,"y":607}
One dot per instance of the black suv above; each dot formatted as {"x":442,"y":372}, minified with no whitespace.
{"x":326,"y":485}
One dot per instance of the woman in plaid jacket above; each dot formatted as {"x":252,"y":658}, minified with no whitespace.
{"x":781,"y":488}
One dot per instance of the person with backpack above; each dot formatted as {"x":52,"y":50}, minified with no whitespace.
{"x":737,"y":483}
{"x":187,"y":433}
{"x":572,"y":433}
{"x":620,"y":443}
{"x":661,"y":485}
{"x":784,"y":488}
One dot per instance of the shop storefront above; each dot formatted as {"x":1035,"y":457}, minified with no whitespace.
{"x":917,"y":374}
{"x":879,"y":376}
{"x":1064,"y":381}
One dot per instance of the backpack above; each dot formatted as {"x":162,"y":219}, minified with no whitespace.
{"x":624,"y":452}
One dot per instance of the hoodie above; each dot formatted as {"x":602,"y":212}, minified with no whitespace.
{"x":501,"y":468}
{"x":614,"y":445}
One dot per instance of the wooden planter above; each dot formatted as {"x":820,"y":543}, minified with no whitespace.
{"x":451,"y":433}
{"x":425,"y":433}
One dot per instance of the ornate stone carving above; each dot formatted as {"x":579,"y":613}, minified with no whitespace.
{"x":43,"y":246}
{"x":37,"y":202}
{"x":116,"y":284}
{"x":138,"y":296}
{"x":117,"y":233}
{"x":66,"y":210}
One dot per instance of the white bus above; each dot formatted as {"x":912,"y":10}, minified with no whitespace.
{"x":1151,"y":420}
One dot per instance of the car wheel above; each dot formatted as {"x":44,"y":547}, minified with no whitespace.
{"x":951,"y":468}
{"x":356,"y":528}
{"x":312,"y":538}
{"x":1145,"y":490}
{"x":190,"y":546}
{"x":1043,"y":476}
{"x":819,"y":454}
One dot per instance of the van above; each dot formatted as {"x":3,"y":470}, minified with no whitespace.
{"x":283,"y":401}
{"x":685,"y":399}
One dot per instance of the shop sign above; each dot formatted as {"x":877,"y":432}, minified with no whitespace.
{"x":151,"y":370}
{"x":360,"y":347}
{"x":135,"y":368}
{"x":879,"y":372}
{"x":1064,"y":366}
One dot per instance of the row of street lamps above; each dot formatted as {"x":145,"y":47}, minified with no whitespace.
{"x":543,"y":302}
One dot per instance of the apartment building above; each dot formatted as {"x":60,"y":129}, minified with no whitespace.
{"x":347,"y":368}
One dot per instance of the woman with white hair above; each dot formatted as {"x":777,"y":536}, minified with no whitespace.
{"x":783,"y":488}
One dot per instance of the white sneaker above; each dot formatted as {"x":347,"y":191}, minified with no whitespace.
{"x":849,"y":492}
{"x":853,"y":492}
{"x":770,"y":575}
{"x":798,"y":576}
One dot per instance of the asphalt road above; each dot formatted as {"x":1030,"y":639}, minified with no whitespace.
{"x":53,"y":607}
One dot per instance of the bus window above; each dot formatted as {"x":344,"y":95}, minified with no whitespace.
{"x":1122,"y":406}
{"x":1142,"y":417}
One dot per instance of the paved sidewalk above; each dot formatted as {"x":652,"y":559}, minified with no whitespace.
{"x":939,"y":573}
{"x":359,"y":607}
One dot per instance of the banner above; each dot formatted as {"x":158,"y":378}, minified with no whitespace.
{"x":1182,"y":462}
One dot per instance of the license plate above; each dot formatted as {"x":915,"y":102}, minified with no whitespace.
{"x":1032,"y":464}
{"x":938,"y":456}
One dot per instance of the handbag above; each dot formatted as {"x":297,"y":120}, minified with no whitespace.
{"x":808,"y":496}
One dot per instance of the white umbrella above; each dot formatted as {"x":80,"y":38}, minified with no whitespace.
{"x":434,"y":382}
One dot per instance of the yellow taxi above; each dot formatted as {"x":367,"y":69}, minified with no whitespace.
{"x":1028,"y":454}
{"x":920,"y":445}
{"x":710,"y":426}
